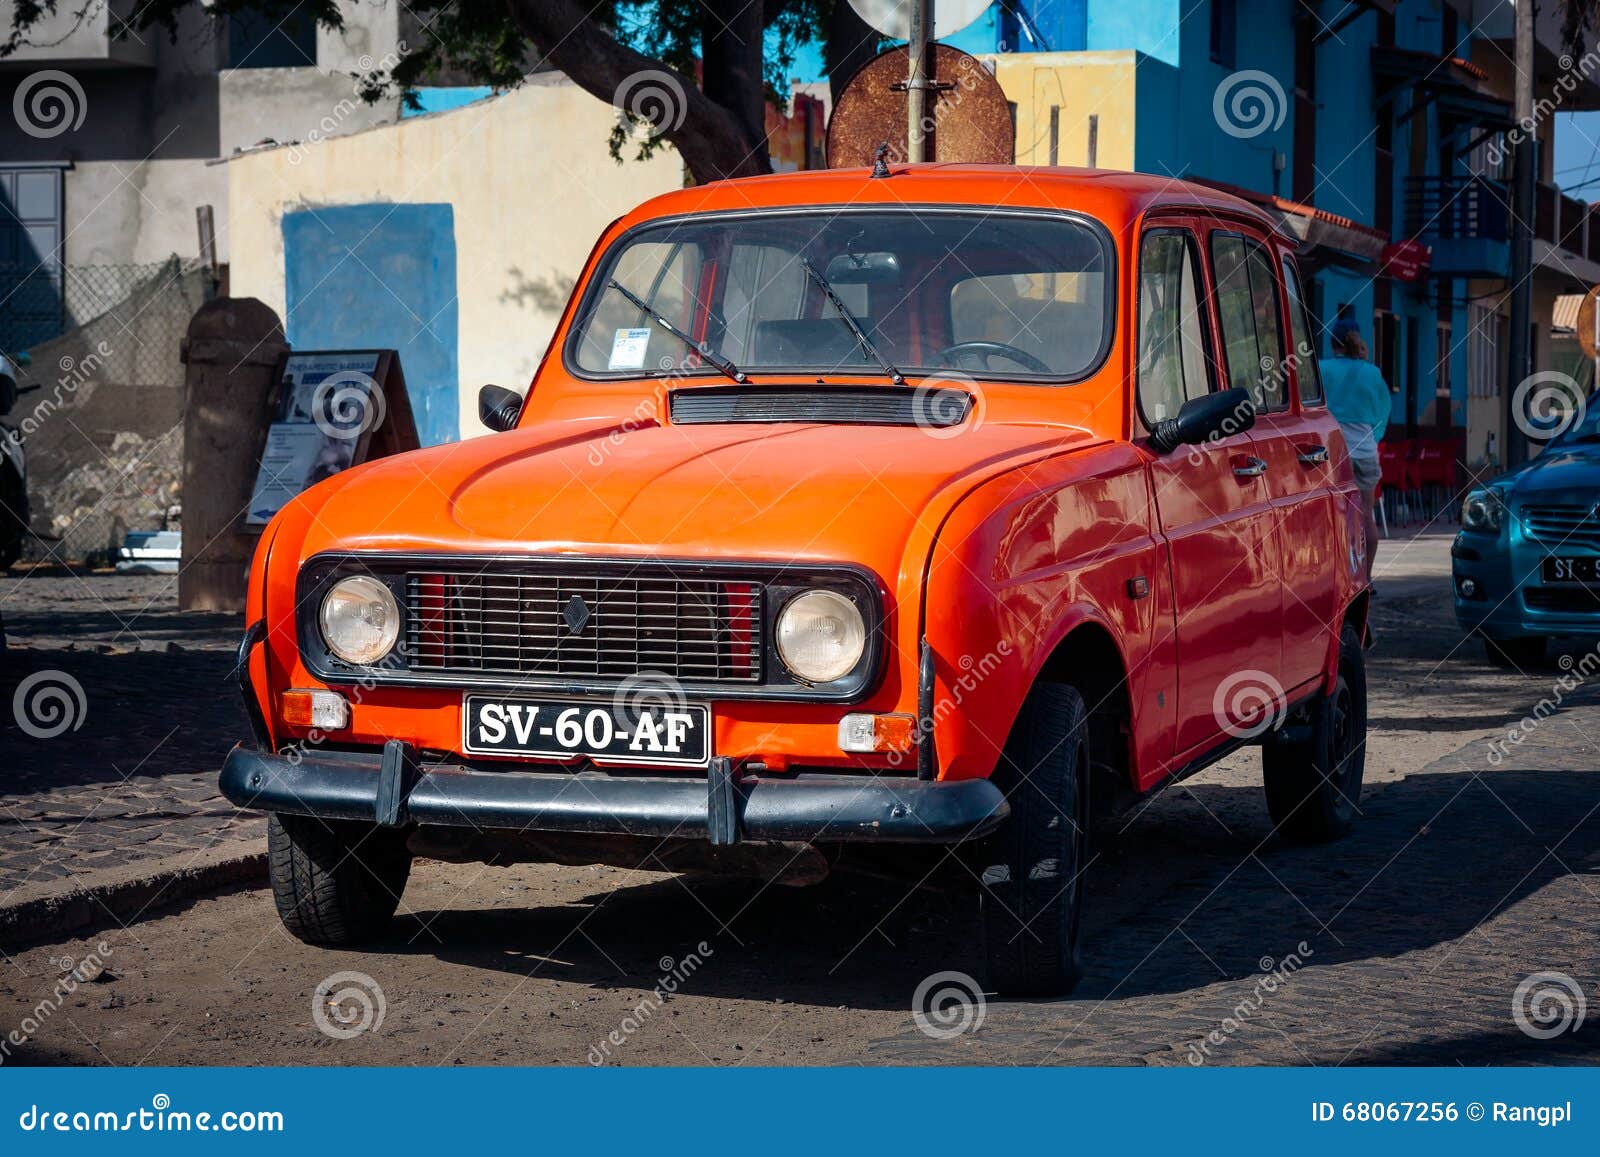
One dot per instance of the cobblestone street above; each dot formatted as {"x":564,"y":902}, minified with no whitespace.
{"x":132,"y":777}
{"x":1207,"y":941}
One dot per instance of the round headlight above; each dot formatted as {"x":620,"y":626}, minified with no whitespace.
{"x":821,"y":636}
{"x":360,"y":620}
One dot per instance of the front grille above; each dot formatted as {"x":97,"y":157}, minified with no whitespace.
{"x":561,"y":624}
{"x":1563,"y":600}
{"x":1562,"y":525}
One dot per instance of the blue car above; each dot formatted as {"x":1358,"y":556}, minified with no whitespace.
{"x":1526,"y":564}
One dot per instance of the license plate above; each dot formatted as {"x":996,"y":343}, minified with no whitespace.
{"x":1572,"y":570}
{"x":666,"y":735}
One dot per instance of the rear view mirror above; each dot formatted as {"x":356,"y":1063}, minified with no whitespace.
{"x":499,"y":407}
{"x":863,"y":268}
{"x":1205,"y":420}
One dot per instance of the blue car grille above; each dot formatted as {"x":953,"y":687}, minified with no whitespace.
{"x":1562,"y":525}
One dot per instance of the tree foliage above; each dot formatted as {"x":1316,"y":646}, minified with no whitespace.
{"x":695,"y":73}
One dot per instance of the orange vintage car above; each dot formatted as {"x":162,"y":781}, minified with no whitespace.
{"x":930,"y":505}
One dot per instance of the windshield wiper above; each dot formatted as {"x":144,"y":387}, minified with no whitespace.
{"x":848,"y":318}
{"x":711,"y":356}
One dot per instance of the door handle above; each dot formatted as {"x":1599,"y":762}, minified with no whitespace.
{"x":1313,"y":455}
{"x":1249,"y":468}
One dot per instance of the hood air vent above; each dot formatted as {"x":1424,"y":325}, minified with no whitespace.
{"x":844,"y":405}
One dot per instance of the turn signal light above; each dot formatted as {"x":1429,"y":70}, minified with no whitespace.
{"x":867,"y":733}
{"x":324,"y":710}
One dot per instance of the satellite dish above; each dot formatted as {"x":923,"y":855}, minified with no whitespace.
{"x":893,"y":17}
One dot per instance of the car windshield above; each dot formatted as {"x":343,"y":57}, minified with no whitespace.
{"x":1585,"y":429}
{"x":996,"y":294}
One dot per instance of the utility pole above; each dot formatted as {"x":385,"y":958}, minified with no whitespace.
{"x":917,"y":78}
{"x":1523,"y":160}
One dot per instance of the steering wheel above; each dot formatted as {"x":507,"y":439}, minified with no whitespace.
{"x":956,"y":355}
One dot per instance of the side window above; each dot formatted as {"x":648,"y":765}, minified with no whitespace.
{"x":1172,"y":352}
{"x":1252,"y":334}
{"x":1307,"y":372}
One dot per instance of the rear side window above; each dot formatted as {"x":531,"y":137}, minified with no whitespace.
{"x":1172,"y":352}
{"x":1252,"y":333}
{"x":1307,"y":373}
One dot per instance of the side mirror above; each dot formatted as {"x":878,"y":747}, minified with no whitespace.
{"x":1205,"y":420}
{"x":498,"y":407}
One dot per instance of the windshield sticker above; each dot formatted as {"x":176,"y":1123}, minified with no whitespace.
{"x":627,"y":349}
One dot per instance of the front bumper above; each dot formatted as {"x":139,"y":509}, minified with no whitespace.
{"x":390,"y":788}
{"x":1507,"y":590}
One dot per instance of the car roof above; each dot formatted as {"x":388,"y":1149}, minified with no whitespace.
{"x":1111,"y":196}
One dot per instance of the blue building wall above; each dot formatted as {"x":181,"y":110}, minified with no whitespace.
{"x":381,"y":275}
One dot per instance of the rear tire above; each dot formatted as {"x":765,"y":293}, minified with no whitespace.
{"x":1515,"y":654}
{"x":1032,"y":868}
{"x":1314,"y":785}
{"x":335,"y":882}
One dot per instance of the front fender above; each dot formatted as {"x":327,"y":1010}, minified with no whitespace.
{"x":1020,"y":564}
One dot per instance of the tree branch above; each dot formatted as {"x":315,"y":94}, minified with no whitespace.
{"x":710,"y":138}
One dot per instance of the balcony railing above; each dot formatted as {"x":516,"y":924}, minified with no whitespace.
{"x":1457,"y":208}
{"x":1478,"y":210}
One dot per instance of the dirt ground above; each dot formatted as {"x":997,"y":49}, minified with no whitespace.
{"x":1404,"y":943}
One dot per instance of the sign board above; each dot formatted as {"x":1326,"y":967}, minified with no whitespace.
{"x":893,"y":17}
{"x":333,"y":410}
{"x":1584,"y":327}
{"x":1406,"y":260}
{"x":966,"y":118}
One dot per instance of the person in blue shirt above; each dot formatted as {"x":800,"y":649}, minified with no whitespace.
{"x":1358,"y":398}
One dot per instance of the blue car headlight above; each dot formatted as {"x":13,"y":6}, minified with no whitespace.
{"x":1483,"y":511}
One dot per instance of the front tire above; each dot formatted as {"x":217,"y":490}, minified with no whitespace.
{"x":335,"y":882}
{"x":1314,"y":784}
{"x":1032,"y":868}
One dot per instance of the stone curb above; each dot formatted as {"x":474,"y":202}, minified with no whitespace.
{"x":112,"y":897}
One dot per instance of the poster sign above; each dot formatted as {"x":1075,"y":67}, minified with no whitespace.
{"x":333,"y":411}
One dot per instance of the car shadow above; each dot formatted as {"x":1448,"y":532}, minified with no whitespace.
{"x":1193,"y":889}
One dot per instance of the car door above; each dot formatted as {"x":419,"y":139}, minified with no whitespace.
{"x":1212,"y":510}
{"x":1299,"y":441}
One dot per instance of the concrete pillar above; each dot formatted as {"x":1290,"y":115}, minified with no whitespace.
{"x":230,"y":354}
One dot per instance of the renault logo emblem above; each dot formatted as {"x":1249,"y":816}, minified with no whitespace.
{"x":576,"y":613}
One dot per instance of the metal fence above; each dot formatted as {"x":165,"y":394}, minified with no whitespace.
{"x":39,"y":302}
{"x":104,"y":430}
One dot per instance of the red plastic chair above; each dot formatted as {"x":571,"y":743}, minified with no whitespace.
{"x":1395,"y":461}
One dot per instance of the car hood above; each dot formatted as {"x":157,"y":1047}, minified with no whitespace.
{"x":820,"y":493}
{"x":1560,"y":473}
